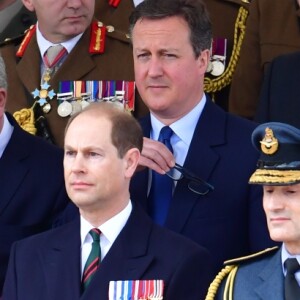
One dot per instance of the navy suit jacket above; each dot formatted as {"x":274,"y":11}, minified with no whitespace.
{"x":280,"y":95}
{"x":47,"y":266}
{"x":32,"y":189}
{"x":258,"y":279}
{"x":229,"y":221}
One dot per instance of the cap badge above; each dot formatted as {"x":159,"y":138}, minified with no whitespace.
{"x":269,"y":144}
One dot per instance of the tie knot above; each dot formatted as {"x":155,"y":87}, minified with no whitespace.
{"x":165,"y":133}
{"x":292,"y":265}
{"x":54,"y":54}
{"x":95,"y":233}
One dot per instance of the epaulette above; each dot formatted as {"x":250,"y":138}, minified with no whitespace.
{"x":15,"y":40}
{"x":229,"y":271}
{"x":247,"y":258}
{"x":28,"y":35}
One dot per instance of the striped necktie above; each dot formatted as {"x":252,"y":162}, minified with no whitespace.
{"x":292,"y":289}
{"x":93,"y":261}
{"x":53,"y":58}
{"x":162,"y":186}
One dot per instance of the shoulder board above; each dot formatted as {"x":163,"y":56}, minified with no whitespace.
{"x":117,"y":34}
{"x":99,"y":32}
{"x":15,"y":40}
{"x":28,"y":35}
{"x":248,"y":258}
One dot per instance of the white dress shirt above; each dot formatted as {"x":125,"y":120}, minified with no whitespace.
{"x":5,"y":134}
{"x":284,"y":256}
{"x":109,"y":232}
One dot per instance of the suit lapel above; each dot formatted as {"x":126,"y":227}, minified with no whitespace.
{"x":14,"y":158}
{"x":80,"y":54}
{"x":127,"y":259}
{"x":61,"y":263}
{"x":28,"y":68}
{"x":272,"y":279}
{"x":201,"y":160}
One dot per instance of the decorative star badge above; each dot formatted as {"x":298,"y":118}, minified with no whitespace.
{"x":43,"y":94}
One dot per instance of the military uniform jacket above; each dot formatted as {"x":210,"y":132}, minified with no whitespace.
{"x":259,"y":278}
{"x":265,"y":39}
{"x":24,"y":73}
{"x":223,"y":15}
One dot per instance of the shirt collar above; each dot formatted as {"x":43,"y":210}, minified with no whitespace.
{"x":110,"y":229}
{"x":44,"y":44}
{"x":183,"y":128}
{"x":5,"y":135}
{"x":285,"y":255}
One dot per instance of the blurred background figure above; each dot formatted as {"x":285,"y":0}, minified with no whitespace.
{"x":266,"y":38}
{"x":14,"y":19}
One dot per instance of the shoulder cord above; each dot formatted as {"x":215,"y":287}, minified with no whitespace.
{"x":228,"y":290}
{"x":215,"y":85}
{"x":25,"y":118}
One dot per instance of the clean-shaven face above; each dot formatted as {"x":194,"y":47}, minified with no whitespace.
{"x":168,"y":76}
{"x":94,"y":173}
{"x":60,"y":20}
{"x":282,"y":208}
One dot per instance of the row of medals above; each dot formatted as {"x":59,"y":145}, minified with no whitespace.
{"x":70,"y":104}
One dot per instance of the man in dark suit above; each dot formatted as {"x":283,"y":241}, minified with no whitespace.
{"x":273,"y":273}
{"x":31,"y":182}
{"x":98,"y":169}
{"x":280,"y":94}
{"x":93,"y":53}
{"x":170,"y":57}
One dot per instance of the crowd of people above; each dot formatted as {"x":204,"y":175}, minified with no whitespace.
{"x":132,"y":165}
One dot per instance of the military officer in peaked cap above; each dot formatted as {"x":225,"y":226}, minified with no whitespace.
{"x":273,"y":273}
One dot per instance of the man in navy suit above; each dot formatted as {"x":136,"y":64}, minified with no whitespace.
{"x":102,"y":150}
{"x":267,"y":275}
{"x":32,"y":190}
{"x":171,"y":41}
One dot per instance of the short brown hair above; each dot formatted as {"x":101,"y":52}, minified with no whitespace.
{"x":126,"y":132}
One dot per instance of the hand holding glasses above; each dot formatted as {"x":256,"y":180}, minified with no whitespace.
{"x":195,"y":183}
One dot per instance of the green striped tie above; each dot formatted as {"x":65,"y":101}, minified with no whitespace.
{"x":93,"y":260}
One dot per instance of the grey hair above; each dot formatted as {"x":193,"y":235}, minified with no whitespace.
{"x":3,"y":76}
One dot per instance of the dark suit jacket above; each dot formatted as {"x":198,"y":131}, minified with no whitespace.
{"x":32,"y":189}
{"x":229,"y":221}
{"x":260,"y":278}
{"x":280,"y":94}
{"x":116,"y":63}
{"x":142,"y":250}
{"x":263,"y":42}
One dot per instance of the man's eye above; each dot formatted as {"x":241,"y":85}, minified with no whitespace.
{"x":69,"y":153}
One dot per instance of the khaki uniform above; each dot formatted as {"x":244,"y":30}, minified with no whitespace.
{"x":223,"y":15}
{"x":272,"y":29}
{"x":24,"y":76}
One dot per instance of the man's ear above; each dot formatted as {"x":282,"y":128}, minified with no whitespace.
{"x":131,"y":160}
{"x":3,"y":95}
{"x":28,"y":4}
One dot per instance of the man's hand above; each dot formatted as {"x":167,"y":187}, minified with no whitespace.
{"x":156,"y":156}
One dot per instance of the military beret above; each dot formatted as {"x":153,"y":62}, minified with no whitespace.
{"x":279,"y":147}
